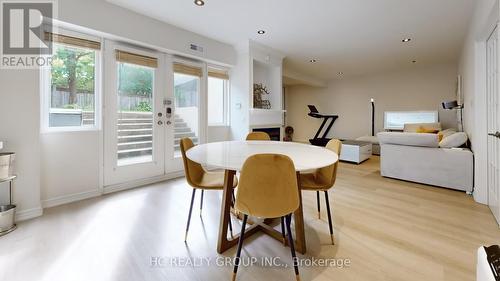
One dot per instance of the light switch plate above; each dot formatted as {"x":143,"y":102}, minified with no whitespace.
{"x":1,"y":145}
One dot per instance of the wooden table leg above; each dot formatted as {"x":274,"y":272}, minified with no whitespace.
{"x":227,"y":194}
{"x":300,"y":235}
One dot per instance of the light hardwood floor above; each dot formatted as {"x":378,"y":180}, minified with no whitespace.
{"x":388,"y":229}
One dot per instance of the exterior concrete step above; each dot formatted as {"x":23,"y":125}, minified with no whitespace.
{"x":177,"y":141}
{"x":135,"y":115}
{"x":184,"y":135}
{"x":134,"y":145}
{"x":180,"y":124}
{"x":128,"y":132}
{"x":182,"y":130}
{"x":135,"y":126}
{"x":134,"y":152}
{"x":134,"y":138}
{"x":135,"y":120}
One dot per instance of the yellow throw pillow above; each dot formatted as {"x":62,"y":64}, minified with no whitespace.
{"x":440,"y":136}
{"x":427,"y":130}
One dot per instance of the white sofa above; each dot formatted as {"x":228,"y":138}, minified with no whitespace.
{"x":417,"y":157}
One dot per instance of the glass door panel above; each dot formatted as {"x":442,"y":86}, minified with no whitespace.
{"x":135,"y":114}
{"x":186,"y":102}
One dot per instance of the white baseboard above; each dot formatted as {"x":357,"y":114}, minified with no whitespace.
{"x":141,"y":182}
{"x":28,"y":214}
{"x":65,"y":199}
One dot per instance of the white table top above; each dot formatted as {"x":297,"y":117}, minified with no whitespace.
{"x":230,"y":155}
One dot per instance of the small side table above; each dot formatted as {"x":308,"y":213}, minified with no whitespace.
{"x":7,"y":212}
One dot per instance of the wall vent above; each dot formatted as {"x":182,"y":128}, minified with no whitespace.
{"x":196,"y":48}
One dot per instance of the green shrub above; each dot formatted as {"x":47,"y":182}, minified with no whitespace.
{"x":72,"y":106}
{"x":144,"y":106}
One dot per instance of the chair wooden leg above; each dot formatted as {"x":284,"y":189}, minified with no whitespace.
{"x":189,"y":216}
{"x":292,"y":246}
{"x":201,"y":201}
{"x":318,"y":204}
{"x":329,"y":217}
{"x":240,"y":245}
{"x":283,"y":230}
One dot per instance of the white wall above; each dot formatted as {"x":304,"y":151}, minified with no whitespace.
{"x":105,"y":17}
{"x":239,"y":100}
{"x":69,"y":166}
{"x":190,"y":116}
{"x":218,"y":133}
{"x":472,"y":68}
{"x":70,"y":161}
{"x":19,"y":128}
{"x":420,"y":88}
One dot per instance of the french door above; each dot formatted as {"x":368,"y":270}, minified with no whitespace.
{"x":134,"y":115}
{"x":152,"y":100}
{"x":493,"y":111}
{"x":188,"y":81}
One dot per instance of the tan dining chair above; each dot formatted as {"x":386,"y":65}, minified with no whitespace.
{"x":322,"y":180}
{"x":258,"y":136}
{"x":199,"y":178}
{"x":267,"y":189}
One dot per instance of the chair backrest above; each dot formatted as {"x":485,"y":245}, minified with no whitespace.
{"x":258,"y":136}
{"x":328,"y":175}
{"x":192,"y":170}
{"x":268,"y":186}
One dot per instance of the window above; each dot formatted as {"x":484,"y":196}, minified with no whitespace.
{"x":71,"y":91}
{"x":217,"y":97}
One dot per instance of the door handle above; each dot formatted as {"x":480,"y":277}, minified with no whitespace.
{"x":497,"y":134}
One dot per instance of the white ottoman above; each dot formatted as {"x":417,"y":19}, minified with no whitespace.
{"x":355,"y":151}
{"x":374,"y":142}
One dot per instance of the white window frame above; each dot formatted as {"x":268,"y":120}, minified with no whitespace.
{"x":225,"y":118}
{"x":46,"y":84}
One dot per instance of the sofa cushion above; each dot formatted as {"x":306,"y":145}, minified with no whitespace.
{"x":445,"y":133}
{"x":412,"y":128}
{"x":411,"y":139}
{"x":454,"y":140}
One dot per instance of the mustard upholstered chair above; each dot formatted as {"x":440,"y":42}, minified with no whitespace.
{"x":199,"y":178}
{"x":267,"y":189}
{"x":258,"y":136}
{"x":322,"y":180}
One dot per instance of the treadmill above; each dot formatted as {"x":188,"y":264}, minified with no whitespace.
{"x":330,"y":119}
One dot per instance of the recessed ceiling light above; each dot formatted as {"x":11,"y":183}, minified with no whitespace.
{"x":261,"y":31}
{"x":199,"y":2}
{"x":313,"y":60}
{"x":406,"y":40}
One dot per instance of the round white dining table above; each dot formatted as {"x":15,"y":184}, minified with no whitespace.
{"x":230,"y":156}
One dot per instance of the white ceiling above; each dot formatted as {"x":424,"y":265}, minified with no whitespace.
{"x":352,"y":36}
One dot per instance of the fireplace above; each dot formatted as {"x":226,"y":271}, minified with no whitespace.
{"x":274,"y":133}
